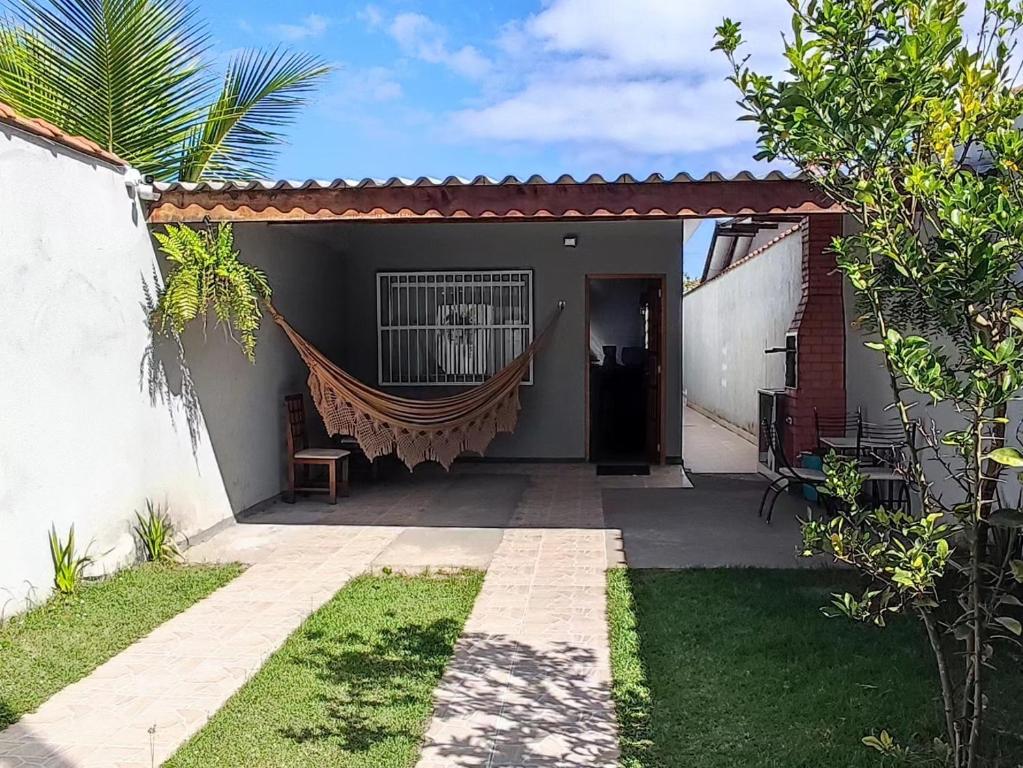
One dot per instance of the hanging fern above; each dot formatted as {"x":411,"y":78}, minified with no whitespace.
{"x":205,"y":272}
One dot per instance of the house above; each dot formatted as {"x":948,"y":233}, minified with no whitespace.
{"x":419,"y":287}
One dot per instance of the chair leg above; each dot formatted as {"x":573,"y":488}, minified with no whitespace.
{"x":770,"y":507}
{"x":289,"y":497}
{"x":763,"y":499}
{"x":332,"y":482}
{"x":345,"y":489}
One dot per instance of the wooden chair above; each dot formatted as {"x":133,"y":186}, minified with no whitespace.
{"x":300,"y":455}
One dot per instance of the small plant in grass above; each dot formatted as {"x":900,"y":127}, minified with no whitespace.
{"x":68,"y":566}
{"x":156,"y":534}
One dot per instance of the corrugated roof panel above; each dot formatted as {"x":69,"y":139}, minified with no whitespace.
{"x":458,"y":181}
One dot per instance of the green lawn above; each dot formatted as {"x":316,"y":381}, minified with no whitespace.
{"x":351,"y":687}
{"x":64,"y":639}
{"x":723,"y":668}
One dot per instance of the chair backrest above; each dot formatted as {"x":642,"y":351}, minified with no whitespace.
{"x":836,"y":425}
{"x":887,"y":442}
{"x":774,"y":440}
{"x":889,"y":432}
{"x":294,"y":407}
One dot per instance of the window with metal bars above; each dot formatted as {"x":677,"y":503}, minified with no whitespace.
{"x":445,"y":328}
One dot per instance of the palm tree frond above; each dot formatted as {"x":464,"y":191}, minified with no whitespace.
{"x":128,"y":73}
{"x":261,"y":93}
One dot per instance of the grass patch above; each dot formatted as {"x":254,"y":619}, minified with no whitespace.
{"x":63,"y":640}
{"x":352,"y":687}
{"x":738,"y":668}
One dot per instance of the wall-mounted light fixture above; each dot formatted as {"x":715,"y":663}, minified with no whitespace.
{"x":143,"y":185}
{"x":571,"y":241}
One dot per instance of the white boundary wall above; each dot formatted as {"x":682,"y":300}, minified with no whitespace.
{"x":83,"y":440}
{"x":729,"y":321}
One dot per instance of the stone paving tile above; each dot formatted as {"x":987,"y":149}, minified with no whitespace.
{"x":135,"y":710}
{"x":530,"y":680}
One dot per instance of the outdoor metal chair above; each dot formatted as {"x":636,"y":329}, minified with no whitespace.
{"x":883,"y":444}
{"x":301,"y":455}
{"x":839,"y":433}
{"x":787,"y":474}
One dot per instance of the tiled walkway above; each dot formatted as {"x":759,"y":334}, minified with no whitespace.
{"x":135,"y":710}
{"x":529,"y":684}
{"x":530,"y":681}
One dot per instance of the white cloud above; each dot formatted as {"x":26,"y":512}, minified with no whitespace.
{"x":599,"y":81}
{"x":648,"y":36}
{"x":370,"y":85}
{"x":371,"y":16}
{"x":634,"y":79}
{"x":422,"y":38}
{"x":645,"y":117}
{"x":312,"y":25}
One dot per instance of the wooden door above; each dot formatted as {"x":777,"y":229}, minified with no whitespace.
{"x":654,"y":371}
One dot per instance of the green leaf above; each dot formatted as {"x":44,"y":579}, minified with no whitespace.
{"x":1010,"y":624}
{"x":1009,"y":457}
{"x":1017,"y":570}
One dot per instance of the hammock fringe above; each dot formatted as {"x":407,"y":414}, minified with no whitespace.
{"x":415,"y":430}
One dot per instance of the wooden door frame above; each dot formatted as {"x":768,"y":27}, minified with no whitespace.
{"x":662,"y":379}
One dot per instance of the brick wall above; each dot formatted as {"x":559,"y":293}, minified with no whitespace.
{"x":819,"y":325}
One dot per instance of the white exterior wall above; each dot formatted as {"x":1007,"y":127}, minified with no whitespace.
{"x":728,"y":322}
{"x":81,"y":439}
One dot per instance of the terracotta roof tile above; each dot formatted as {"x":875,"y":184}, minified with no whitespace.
{"x":47,"y":130}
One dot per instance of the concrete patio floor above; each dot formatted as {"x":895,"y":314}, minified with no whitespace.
{"x":712,"y":448}
{"x":529,"y":684}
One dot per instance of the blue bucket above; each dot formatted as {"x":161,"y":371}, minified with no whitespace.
{"x":810,"y":461}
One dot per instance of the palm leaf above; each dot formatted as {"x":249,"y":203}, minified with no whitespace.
{"x":261,"y":93}
{"x":128,"y":73}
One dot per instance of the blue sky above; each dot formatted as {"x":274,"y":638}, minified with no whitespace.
{"x":451,"y":87}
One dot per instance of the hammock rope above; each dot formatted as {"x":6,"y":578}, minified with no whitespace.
{"x":416,"y":430}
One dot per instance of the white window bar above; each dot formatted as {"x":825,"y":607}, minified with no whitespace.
{"x":451,"y":328}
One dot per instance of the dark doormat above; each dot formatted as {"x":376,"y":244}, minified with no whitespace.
{"x":623,"y":469}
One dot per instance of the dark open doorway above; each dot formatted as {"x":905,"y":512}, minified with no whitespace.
{"x":624,"y":368}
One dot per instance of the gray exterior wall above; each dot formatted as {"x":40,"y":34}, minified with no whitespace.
{"x":243,"y":403}
{"x":728,"y":323}
{"x":552,"y":421}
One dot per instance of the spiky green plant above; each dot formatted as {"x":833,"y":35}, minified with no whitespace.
{"x":136,"y":77}
{"x":156,"y":534}
{"x":68,"y":566}
{"x":205,"y":272}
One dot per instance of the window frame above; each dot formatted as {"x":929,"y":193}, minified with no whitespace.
{"x":506,"y":330}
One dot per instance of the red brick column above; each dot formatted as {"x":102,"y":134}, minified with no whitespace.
{"x":819,"y":325}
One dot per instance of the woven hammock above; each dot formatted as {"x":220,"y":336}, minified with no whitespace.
{"x":416,"y":430}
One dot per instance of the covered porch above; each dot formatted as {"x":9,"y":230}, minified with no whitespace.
{"x":328,"y":246}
